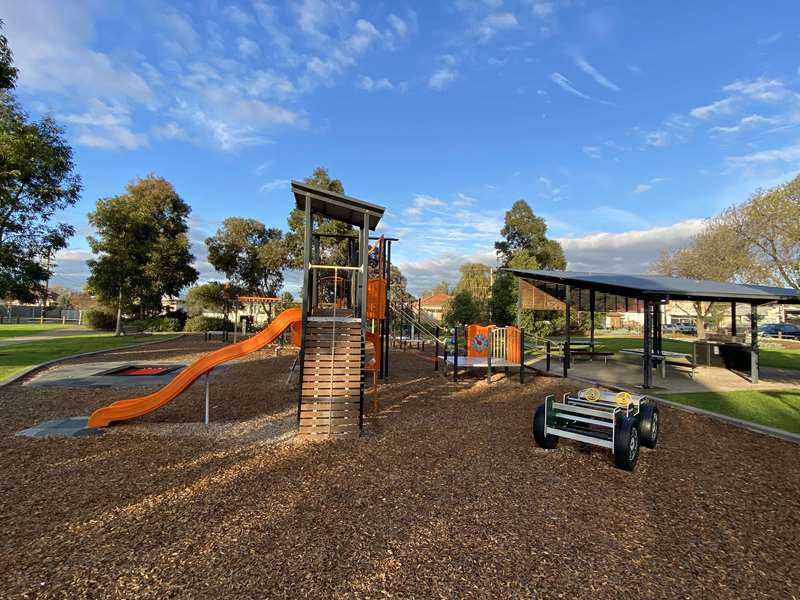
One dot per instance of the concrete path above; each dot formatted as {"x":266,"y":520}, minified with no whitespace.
{"x":43,"y":335}
{"x":628,"y":374}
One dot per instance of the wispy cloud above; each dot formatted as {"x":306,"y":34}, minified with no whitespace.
{"x":374,"y":85}
{"x":769,"y":39}
{"x":591,"y":71}
{"x":790,"y":153}
{"x":493,"y":24}
{"x":748,"y":122}
{"x":566,"y":85}
{"x":641,"y":188}
{"x":441,"y":78}
{"x":276,"y":184}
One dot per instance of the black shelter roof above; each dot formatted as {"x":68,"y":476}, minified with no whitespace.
{"x":337,"y":206}
{"x":658,"y":287}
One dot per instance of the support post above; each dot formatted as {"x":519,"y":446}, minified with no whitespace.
{"x":489,"y":357}
{"x":733,"y":319}
{"x":753,"y":343}
{"x":591,"y":319}
{"x":547,"y":350}
{"x":647,"y":359}
{"x":309,"y":223}
{"x":455,"y":354}
{"x":436,"y":350}
{"x":568,"y":305}
{"x":207,"y":398}
{"x":522,"y":356}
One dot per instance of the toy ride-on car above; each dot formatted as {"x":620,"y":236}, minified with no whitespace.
{"x":619,"y":421}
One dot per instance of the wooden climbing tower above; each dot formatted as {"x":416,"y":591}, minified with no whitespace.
{"x":338,"y":300}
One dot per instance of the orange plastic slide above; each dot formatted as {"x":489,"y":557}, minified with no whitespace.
{"x":136,"y":407}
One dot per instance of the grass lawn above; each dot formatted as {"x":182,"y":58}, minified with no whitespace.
{"x":782,"y":358}
{"x":773,"y":408}
{"x":21,"y":356}
{"x":24,"y":329}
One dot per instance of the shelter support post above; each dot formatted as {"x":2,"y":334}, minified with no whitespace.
{"x":733,"y":319}
{"x":522,"y":356}
{"x":591,"y":319}
{"x":647,"y":359}
{"x":455,"y":354}
{"x":308,"y":230}
{"x":489,"y":357}
{"x":547,"y":351}
{"x":436,"y":350}
{"x":754,"y":343}
{"x":567,"y":310}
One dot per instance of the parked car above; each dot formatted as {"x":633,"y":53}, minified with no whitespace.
{"x":671,"y":328}
{"x":786,"y":330}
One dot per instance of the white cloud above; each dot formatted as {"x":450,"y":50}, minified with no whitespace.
{"x":628,"y":251}
{"x":720,"y":107}
{"x":169,"y":131}
{"x":592,"y":151}
{"x":247,"y":47}
{"x":238,"y":17}
{"x":641,"y":188}
{"x":542,"y":10}
{"x":748,"y":122}
{"x":492,"y":24}
{"x":591,"y":71}
{"x":441,"y":78}
{"x":769,"y":39}
{"x":790,"y":153}
{"x":105,"y":126}
{"x":276,"y":184}
{"x":761,"y":89}
{"x":633,"y":68}
{"x":566,"y":85}
{"x":673,"y":130}
{"x":374,"y":85}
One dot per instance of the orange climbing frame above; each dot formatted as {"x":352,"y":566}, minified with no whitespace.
{"x":136,"y":407}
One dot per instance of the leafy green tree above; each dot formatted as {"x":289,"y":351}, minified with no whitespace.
{"x":37,"y":180}
{"x":462,"y":309}
{"x":213,"y":297}
{"x":251,"y":255}
{"x":333,"y":252}
{"x":525,"y":241}
{"x":287,"y":297}
{"x":141,"y":248}
{"x":767,"y":227}
{"x":503,"y":300}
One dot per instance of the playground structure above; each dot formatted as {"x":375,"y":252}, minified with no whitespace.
{"x":339,"y":300}
{"x":620,"y":422}
{"x":487,"y":347}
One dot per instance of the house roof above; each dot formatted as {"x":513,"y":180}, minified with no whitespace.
{"x":337,"y":206}
{"x":435,"y":300}
{"x":657,"y":287}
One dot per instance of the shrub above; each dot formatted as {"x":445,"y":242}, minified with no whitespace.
{"x":207,"y":324}
{"x":100,"y":319}
{"x":181,"y":317}
{"x":165,"y":323}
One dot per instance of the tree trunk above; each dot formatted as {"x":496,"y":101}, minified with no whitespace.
{"x":118,"y":329}
{"x":700,"y":323}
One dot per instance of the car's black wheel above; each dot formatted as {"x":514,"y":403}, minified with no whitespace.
{"x":548,"y":442}
{"x":626,"y":443}
{"x":649,"y":425}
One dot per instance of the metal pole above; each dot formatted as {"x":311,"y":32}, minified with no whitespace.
{"x":207,"y":397}
{"x":733,"y":319}
{"x":753,"y":343}
{"x":489,"y":357}
{"x":647,"y":357}
{"x":547,"y":349}
{"x":522,"y":356}
{"x":455,"y":354}
{"x":591,"y":317}
{"x":568,"y":305}
{"x":306,"y":300}
{"x":436,"y":351}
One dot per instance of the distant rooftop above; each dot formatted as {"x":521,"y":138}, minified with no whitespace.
{"x":337,"y":206}
{"x":435,"y":300}
{"x":657,"y":287}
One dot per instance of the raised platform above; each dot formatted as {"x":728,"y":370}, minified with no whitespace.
{"x":60,"y":428}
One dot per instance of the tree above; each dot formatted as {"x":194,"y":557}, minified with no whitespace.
{"x":251,"y":255}
{"x":503,"y":300}
{"x":212,"y":296}
{"x":333,"y":252}
{"x":141,"y":248}
{"x":767,"y":226}
{"x":476,"y":280}
{"x":525,"y":237}
{"x":37,"y":180}
{"x":716,"y":253}
{"x":462,"y":309}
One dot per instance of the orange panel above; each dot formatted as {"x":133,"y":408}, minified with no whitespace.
{"x":376,"y":299}
{"x":512,"y":344}
{"x":478,"y":340}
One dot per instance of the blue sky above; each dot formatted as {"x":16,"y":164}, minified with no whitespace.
{"x":623,"y":124}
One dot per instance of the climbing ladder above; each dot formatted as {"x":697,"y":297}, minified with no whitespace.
{"x":332,"y":396}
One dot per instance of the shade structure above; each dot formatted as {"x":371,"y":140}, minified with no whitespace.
{"x":611,"y":292}
{"x":337,"y":206}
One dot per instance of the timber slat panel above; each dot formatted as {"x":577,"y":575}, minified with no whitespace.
{"x":335,"y":405}
{"x":327,"y":386}
{"x":331,"y":394}
{"x":309,"y":428}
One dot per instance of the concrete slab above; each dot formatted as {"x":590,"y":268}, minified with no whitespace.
{"x":628,"y":374}
{"x":68,"y":427}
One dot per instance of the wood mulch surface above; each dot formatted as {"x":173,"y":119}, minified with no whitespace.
{"x":445,"y":495}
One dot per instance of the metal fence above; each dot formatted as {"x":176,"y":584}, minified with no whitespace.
{"x":32,"y":313}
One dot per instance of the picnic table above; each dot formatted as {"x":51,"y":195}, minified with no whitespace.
{"x":665,"y":357}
